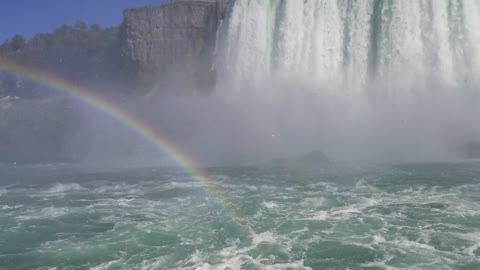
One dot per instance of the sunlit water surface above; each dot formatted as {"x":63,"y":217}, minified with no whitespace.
{"x":350,"y":217}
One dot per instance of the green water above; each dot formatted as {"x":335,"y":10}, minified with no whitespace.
{"x":423,"y":216}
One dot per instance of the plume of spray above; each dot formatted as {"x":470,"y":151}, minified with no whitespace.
{"x":375,"y":80}
{"x":368,"y":80}
{"x":381,"y":80}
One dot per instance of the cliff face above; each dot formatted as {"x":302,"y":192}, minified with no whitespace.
{"x":172,"y":40}
{"x":154,"y":45}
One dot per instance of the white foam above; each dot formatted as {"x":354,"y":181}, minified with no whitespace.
{"x":235,"y":259}
{"x":270,"y":205}
{"x":123,"y":202}
{"x":231,"y":258}
{"x":267,"y":237}
{"x":409,"y":245}
{"x":474,"y":238}
{"x":104,"y":266}
{"x":236,"y":263}
{"x":305,"y":229}
{"x":63,"y":188}
{"x":46,"y":213}
{"x":362,"y":185}
{"x":110,"y":188}
{"x":320,"y":215}
{"x":471,"y":249}
{"x":122,"y":189}
{"x":195,"y":258}
{"x":153,"y":263}
{"x":8,"y":207}
{"x":377,"y":239}
{"x":367,"y":202}
{"x":335,"y":214}
{"x":183,"y":184}
{"x":382,"y":265}
{"x":251,"y":188}
{"x":267,"y":187}
{"x":313,"y":202}
{"x":298,"y":265}
{"x":233,"y":263}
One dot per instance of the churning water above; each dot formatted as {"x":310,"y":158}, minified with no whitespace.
{"x":356,"y":217}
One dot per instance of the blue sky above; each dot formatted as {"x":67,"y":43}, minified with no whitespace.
{"x":29,"y":17}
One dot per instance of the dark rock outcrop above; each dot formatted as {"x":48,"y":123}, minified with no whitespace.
{"x":310,"y":160}
{"x":315,"y":157}
{"x":171,"y":41}
{"x":154,"y":45}
{"x":470,"y":150}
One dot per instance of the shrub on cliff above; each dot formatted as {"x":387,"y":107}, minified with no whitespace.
{"x":85,"y":55}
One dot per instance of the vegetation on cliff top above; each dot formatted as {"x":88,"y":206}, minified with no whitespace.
{"x":87,"y":56}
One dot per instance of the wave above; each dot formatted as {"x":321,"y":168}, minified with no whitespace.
{"x":9,"y":207}
{"x":63,"y":188}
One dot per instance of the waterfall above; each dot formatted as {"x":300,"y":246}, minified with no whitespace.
{"x":353,"y":42}
{"x":376,"y":78}
{"x":215,"y":49}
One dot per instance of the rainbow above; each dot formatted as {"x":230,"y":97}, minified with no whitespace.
{"x":135,"y":124}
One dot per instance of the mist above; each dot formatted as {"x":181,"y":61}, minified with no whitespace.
{"x":287,"y":118}
{"x":345,"y":81}
{"x":249,"y":122}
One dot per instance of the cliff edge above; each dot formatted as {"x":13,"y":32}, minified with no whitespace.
{"x":173,"y":40}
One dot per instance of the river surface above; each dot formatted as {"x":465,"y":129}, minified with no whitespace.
{"x":419,"y":216}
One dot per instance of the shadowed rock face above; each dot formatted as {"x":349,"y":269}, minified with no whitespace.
{"x":157,"y":45}
{"x":470,"y":150}
{"x":315,"y":157}
{"x":171,"y":39}
{"x":310,"y":160}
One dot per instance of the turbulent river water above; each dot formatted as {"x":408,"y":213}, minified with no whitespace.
{"x":364,"y":216}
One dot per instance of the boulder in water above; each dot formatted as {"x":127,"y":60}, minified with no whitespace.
{"x":310,"y":160}
{"x":315,"y":157}
{"x":470,"y":150}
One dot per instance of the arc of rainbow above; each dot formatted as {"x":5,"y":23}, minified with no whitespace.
{"x":135,"y":124}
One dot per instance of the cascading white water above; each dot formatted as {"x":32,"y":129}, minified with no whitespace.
{"x":372,"y":78}
{"x":352,"y":41}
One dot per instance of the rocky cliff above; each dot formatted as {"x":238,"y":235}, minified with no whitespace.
{"x":174,"y":40}
{"x":154,"y":45}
